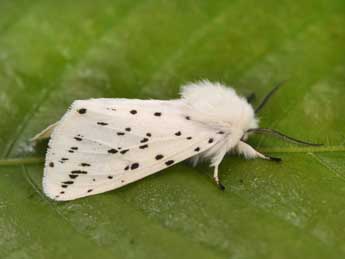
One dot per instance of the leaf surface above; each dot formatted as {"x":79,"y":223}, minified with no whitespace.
{"x":54,"y":53}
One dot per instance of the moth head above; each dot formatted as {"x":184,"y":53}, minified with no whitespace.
{"x":256,"y":130}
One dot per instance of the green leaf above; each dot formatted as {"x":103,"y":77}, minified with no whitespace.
{"x":52,"y":53}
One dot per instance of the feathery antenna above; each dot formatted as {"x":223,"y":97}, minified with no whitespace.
{"x":281,"y":136}
{"x":268,"y":96}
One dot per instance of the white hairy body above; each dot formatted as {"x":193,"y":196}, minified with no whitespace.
{"x":103,"y":144}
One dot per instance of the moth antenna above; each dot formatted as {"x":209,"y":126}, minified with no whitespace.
{"x":251,"y":97}
{"x":281,"y":136}
{"x":268,"y":96}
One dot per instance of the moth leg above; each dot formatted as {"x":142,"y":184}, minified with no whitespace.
{"x":250,"y":153}
{"x":215,"y":162}
{"x":251,"y":97}
{"x":44,"y":133}
{"x":216,"y":178}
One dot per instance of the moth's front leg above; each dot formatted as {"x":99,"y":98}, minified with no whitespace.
{"x":250,"y":153}
{"x":216,"y":178}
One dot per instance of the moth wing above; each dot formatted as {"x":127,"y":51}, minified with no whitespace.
{"x":44,"y":134}
{"x":103,"y":144}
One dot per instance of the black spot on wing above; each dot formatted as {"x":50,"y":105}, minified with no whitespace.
{"x":169,"y":162}
{"x":74,"y":148}
{"x":68,"y":182}
{"x":197,"y":149}
{"x":73,"y":176}
{"x":120,"y":133}
{"x":143,"y":146}
{"x":178,"y":133}
{"x":148,"y":134}
{"x":189,"y":138}
{"x":128,"y":129}
{"x":51,"y":164}
{"x":126,"y":168}
{"x":157,"y":114}
{"x":102,"y":123}
{"x":133,"y":112}
{"x":110,"y":177}
{"x":78,"y":138}
{"x":78,"y":172}
{"x":134,"y":166}
{"x":112,"y":151}
{"x":85,"y":164}
{"x":124,"y":151}
{"x":62,"y":160}
{"x":90,"y":190}
{"x":187,"y":118}
{"x":82,"y":111}
{"x":144,"y":140}
{"x":220,"y":132}
{"x":159,"y":156}
{"x":210,"y":140}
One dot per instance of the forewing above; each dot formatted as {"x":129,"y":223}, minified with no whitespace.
{"x":103,"y":144}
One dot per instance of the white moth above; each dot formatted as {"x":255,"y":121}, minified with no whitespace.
{"x":103,"y":144}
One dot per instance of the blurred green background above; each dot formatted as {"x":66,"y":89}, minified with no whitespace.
{"x":52,"y":53}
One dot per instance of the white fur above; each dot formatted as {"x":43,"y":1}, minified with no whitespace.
{"x":219,"y":107}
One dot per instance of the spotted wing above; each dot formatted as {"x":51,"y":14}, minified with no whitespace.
{"x":103,"y":144}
